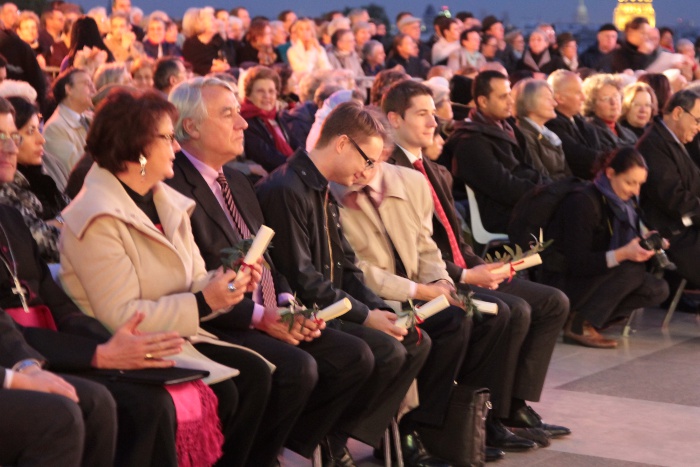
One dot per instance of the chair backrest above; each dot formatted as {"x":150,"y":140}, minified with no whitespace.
{"x":481,"y":235}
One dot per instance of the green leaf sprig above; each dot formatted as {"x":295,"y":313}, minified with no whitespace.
{"x":289,"y":313}
{"x":232,"y":257}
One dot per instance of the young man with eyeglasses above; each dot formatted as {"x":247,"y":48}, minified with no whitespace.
{"x":311,"y":251}
{"x":671,"y":196}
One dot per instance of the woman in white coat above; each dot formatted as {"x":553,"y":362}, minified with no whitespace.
{"x":127,"y":245}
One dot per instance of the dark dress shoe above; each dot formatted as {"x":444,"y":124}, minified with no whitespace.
{"x":537,"y":435}
{"x":494,"y":454}
{"x":415,"y":454}
{"x":498,"y":436}
{"x":328,"y":459}
{"x":589,"y":338}
{"x":526,"y":417}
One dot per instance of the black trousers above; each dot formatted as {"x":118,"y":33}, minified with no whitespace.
{"x":615,"y":294}
{"x":684,"y":253}
{"x":242,"y":402}
{"x":484,"y":363}
{"x":537,"y":315}
{"x":396,"y":364}
{"x":311,"y":386}
{"x":47,"y":429}
{"x":449,"y":332}
{"x":147,"y":424}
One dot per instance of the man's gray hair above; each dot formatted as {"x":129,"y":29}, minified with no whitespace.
{"x":187,"y":98}
{"x":684,"y":99}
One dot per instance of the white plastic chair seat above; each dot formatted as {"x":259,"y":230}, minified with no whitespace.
{"x":481,"y":235}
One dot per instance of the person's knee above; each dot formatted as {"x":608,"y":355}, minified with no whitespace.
{"x":389,"y":356}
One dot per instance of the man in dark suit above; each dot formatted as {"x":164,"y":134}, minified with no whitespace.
{"x":48,"y":419}
{"x":671,"y":195}
{"x":537,"y":312}
{"x":579,"y":138}
{"x":318,"y":370}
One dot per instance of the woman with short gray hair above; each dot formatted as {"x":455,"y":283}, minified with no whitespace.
{"x":534,"y":106}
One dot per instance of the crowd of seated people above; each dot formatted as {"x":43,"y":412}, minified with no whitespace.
{"x":135,"y":148}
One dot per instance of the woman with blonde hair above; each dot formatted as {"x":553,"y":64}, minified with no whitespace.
{"x":306,"y":54}
{"x":204,"y":47}
{"x":639,"y":106}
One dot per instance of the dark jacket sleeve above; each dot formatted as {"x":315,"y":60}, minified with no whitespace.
{"x":13,"y":346}
{"x":476,"y":164}
{"x":582,"y":219}
{"x":287,"y":216}
{"x":662,"y":187}
{"x":579,"y":157}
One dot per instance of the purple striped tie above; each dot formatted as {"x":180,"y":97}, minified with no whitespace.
{"x":266,"y":282}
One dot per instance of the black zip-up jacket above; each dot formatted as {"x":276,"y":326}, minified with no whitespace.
{"x":309,"y":247}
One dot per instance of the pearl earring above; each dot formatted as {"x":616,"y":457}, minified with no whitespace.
{"x":142,"y":161}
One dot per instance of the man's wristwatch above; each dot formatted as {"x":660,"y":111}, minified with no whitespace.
{"x":22,"y":365}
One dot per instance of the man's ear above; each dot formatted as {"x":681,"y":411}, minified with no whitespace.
{"x":394,"y":119}
{"x":190,"y":128}
{"x":481,"y":102}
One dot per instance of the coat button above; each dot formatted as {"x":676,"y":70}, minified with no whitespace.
{"x":303,"y":172}
{"x":337,"y":225}
{"x":325,"y":266}
{"x":338,"y":264}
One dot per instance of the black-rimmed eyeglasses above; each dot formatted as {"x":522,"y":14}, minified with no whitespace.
{"x":369,"y":163}
{"x":697,"y":119}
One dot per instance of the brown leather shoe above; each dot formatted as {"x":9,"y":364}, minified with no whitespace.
{"x":589,"y":338}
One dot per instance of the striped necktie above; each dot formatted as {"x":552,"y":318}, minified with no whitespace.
{"x":266,"y":283}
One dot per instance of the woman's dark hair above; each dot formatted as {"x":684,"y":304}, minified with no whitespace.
{"x":335,"y":38}
{"x":622,"y":159}
{"x":24,"y":110}
{"x":58,"y":88}
{"x":85,"y":33}
{"x":125,"y":123}
{"x":256,"y":29}
{"x":661,"y":86}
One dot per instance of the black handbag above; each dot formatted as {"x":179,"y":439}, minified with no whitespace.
{"x":461,"y":440}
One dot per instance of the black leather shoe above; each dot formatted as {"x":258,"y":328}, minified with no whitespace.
{"x":494,"y":454}
{"x":537,"y":435}
{"x":526,"y":417}
{"x":330,"y":460}
{"x":415,"y":454}
{"x":498,"y":436}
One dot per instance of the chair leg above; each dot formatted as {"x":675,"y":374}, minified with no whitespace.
{"x":397,"y":442}
{"x":316,"y":458}
{"x":387,"y":448}
{"x":628,"y":325}
{"x":674,"y":304}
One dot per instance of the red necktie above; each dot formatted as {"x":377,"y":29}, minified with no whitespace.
{"x":457,"y":257}
{"x":266,"y":283}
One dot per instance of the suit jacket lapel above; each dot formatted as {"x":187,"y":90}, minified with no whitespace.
{"x":205,"y":199}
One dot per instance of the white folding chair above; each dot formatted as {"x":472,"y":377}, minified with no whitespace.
{"x":480,"y":234}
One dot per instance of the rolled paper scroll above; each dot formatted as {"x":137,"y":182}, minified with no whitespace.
{"x":260,"y":244}
{"x":519,"y":265}
{"x":427,"y":310}
{"x":335,"y":310}
{"x":485,"y":307}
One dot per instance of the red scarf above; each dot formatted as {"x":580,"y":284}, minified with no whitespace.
{"x":611,"y":125}
{"x":249,"y":110}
